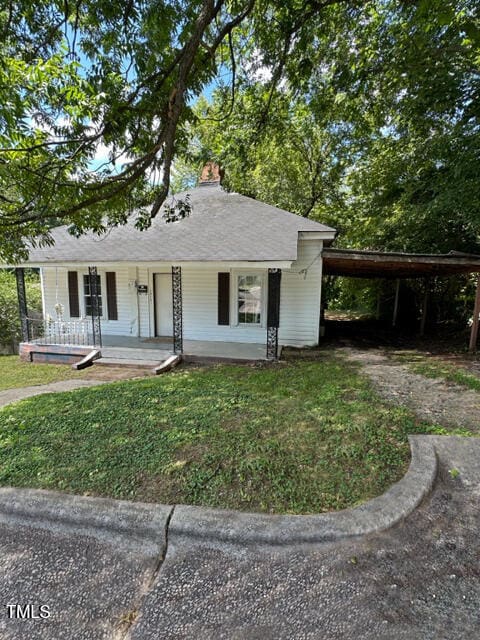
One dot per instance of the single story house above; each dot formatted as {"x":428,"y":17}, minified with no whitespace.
{"x":235,"y":270}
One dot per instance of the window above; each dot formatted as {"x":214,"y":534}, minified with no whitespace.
{"x":88,"y":296}
{"x":249,"y":299}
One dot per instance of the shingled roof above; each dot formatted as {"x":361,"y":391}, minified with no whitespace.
{"x":221,"y":227}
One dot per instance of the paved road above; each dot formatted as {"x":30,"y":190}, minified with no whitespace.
{"x":89,"y":561}
{"x":418,"y":580}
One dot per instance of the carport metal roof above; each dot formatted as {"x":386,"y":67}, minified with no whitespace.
{"x":378,"y":264}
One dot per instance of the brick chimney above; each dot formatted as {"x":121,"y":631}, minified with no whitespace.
{"x":211,"y":174}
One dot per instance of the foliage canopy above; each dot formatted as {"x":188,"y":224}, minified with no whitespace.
{"x":376,"y":132}
{"x":115,"y":80}
{"x":365,"y":114}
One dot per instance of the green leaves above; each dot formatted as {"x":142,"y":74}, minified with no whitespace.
{"x":10,"y":332}
{"x":92,"y":103}
{"x":365,"y":115}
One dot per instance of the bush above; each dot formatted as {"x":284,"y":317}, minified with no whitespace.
{"x":10,"y":329}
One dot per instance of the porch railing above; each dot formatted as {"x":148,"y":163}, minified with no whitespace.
{"x":57,"y":331}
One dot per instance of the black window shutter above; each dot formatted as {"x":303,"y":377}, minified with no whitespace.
{"x":111,"y":295}
{"x":224,"y":298}
{"x":73,"y":302}
{"x":273,"y":314}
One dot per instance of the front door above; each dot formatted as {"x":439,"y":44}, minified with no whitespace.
{"x":163,"y":304}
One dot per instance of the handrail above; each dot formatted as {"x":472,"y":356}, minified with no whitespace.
{"x":58,"y":331}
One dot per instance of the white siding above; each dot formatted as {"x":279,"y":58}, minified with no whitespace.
{"x":299,"y":303}
{"x":300,"y":297}
{"x":144,"y":303}
{"x":199,"y":291}
{"x":299,"y":300}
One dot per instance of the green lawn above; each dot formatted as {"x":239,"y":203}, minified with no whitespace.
{"x":307,"y":436}
{"x":15,"y":373}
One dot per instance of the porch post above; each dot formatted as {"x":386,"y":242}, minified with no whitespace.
{"x":177,"y":310}
{"x":96,"y":326}
{"x":476,"y":313}
{"x":22,"y":302}
{"x":273,"y":312}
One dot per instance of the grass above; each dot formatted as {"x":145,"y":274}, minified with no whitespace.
{"x":15,"y":373}
{"x":433,"y":368}
{"x":308,"y":436}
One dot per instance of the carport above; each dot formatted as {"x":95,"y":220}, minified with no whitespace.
{"x":396,"y":266}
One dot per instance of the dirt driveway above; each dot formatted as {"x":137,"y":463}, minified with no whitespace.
{"x":435,"y":400}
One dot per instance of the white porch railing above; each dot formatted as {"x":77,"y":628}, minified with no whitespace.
{"x":58,"y":331}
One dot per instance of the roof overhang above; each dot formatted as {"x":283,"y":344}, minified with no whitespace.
{"x":317,"y":235}
{"x":204,"y":264}
{"x":376,"y":264}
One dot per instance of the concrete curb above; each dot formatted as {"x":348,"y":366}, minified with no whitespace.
{"x":136,"y":526}
{"x":143,"y":527}
{"x":233,"y":527}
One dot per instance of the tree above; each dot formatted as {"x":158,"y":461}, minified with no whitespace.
{"x":119,"y":76}
{"x":395,"y":99}
{"x":384,"y":94}
{"x":407,"y":84}
{"x":392,"y":91}
{"x":290,"y":161}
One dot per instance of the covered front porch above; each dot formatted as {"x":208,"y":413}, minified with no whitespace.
{"x":133,"y":347}
{"x":144,"y":352}
{"x":68,"y":338}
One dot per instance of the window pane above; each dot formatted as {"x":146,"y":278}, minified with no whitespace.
{"x":88,"y":298}
{"x":249,"y":299}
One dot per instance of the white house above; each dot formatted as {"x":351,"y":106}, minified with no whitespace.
{"x":234,"y":271}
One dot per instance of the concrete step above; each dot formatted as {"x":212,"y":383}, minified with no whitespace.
{"x":125,"y":362}
{"x":157,"y":355}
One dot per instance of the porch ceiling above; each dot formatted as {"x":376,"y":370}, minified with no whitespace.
{"x":376,"y":264}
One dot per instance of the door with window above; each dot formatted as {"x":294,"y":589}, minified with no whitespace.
{"x":163,"y":304}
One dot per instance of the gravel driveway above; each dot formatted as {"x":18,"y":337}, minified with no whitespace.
{"x":435,"y":400}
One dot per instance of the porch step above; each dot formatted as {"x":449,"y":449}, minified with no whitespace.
{"x":126,"y":353}
{"x":125,"y":362}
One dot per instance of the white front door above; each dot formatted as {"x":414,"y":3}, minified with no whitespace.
{"x":163,"y":304}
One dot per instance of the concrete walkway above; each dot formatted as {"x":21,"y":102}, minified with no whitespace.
{"x":116,"y":570}
{"x":13,"y":395}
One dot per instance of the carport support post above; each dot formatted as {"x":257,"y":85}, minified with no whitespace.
{"x":476,"y":313}
{"x":395,"y":305}
{"x":424,"y":309}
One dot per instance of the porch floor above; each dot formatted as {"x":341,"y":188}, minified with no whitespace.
{"x":161,"y":348}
